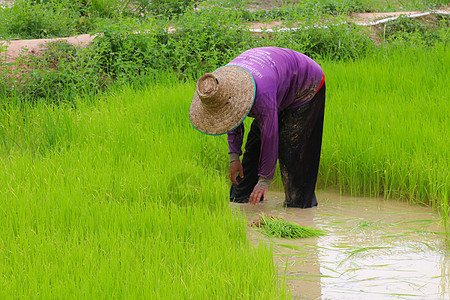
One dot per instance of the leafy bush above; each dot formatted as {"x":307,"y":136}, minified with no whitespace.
{"x":338,"y":42}
{"x":123,"y":54}
{"x":60,"y":74}
{"x":27,"y":20}
{"x":332,"y":41}
{"x":288,"y":13}
{"x":162,"y":8}
{"x":127,"y":53}
{"x":106,"y":8}
{"x":306,"y":9}
{"x":426,"y":31}
{"x":207,"y":39}
{"x":202,"y":40}
{"x":335,"y":7}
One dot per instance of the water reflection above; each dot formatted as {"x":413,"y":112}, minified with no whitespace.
{"x":374,"y":249}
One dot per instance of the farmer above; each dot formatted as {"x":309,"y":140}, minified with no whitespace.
{"x":284,"y":91}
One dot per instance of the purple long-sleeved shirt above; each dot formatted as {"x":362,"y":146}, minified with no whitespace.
{"x":284,"y":79}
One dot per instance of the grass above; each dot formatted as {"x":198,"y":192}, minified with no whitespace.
{"x":277,"y":227}
{"x":98,"y":201}
{"x":386,"y":126}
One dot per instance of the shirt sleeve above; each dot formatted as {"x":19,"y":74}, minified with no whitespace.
{"x":268,"y":123}
{"x":235,"y":138}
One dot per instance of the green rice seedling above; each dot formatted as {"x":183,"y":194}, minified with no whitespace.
{"x":363,"y":251}
{"x":289,"y":246}
{"x":277,"y":227}
{"x":365,"y":225}
{"x":111,"y":200}
{"x":386,"y":126}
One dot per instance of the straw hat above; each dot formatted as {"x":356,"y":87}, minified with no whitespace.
{"x":222,"y":100}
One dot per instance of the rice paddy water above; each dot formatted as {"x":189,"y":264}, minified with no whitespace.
{"x":373,"y":249}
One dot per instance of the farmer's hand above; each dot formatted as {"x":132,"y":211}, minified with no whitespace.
{"x":235,"y":168}
{"x":258,"y":192}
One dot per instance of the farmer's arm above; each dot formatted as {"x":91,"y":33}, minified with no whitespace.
{"x":268,"y":122}
{"x":235,"y":139}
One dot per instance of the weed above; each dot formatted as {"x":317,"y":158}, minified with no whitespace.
{"x":427,"y":31}
{"x":332,"y":42}
{"x":27,"y":20}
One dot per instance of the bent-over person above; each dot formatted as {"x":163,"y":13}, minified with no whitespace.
{"x":284,"y":91}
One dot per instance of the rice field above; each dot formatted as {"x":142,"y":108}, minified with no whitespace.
{"x":111,"y":200}
{"x":121,"y":197}
{"x":387,"y":127}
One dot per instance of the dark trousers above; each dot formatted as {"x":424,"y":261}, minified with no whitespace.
{"x":300,"y":141}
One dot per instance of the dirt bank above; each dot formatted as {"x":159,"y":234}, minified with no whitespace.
{"x":18,"y":47}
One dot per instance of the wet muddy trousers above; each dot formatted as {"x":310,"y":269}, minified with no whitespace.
{"x":300,"y":141}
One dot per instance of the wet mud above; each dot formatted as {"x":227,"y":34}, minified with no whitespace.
{"x":373,"y":249}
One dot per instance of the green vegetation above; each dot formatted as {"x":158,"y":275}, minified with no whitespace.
{"x":107,"y":190}
{"x":51,"y":18}
{"x":201,"y":41}
{"x":282,"y":9}
{"x":105,"y":200}
{"x":119,"y":54}
{"x":272,"y":226}
{"x":429,"y":30}
{"x":58,"y":18}
{"x":27,"y":20}
{"x":387,"y":127}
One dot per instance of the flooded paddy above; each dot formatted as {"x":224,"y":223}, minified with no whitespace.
{"x":373,"y":249}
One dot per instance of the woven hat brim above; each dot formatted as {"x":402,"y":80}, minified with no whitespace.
{"x":240,"y":89}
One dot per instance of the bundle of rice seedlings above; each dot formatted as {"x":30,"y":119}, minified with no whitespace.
{"x":273,"y":226}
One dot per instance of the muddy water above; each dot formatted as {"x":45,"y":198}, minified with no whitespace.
{"x":373,"y":249}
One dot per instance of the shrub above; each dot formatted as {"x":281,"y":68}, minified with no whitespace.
{"x":207,"y":39}
{"x":127,"y":53}
{"x":203,"y":41}
{"x":332,"y":42}
{"x":59,"y":74}
{"x":27,"y":20}
{"x":161,"y":8}
{"x":123,"y":54}
{"x":427,"y":31}
{"x":336,"y":7}
{"x":304,"y":10}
